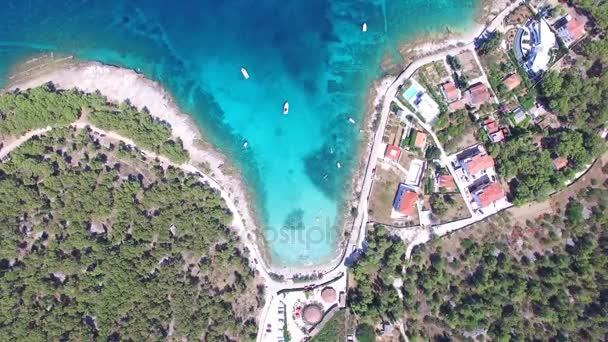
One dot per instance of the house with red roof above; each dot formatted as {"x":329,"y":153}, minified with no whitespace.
{"x":392,"y":153}
{"x":405,"y":201}
{"x":494,"y":132}
{"x":512,"y":81}
{"x":479,"y":94}
{"x":488,"y":194}
{"x":560,"y":163}
{"x":475,"y":161}
{"x":457,"y":105}
{"x":450,"y":92}
{"x":446,"y":182}
{"x":478,"y":165}
{"x":571,"y":29}
{"x":420,"y":141}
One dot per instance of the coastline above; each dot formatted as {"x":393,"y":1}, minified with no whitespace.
{"x":119,"y":84}
{"x":411,"y":49}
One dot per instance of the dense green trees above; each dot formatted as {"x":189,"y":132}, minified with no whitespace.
{"x":36,"y":108}
{"x":529,"y":169}
{"x":94,"y":245}
{"x":548,"y":296}
{"x":44,"y":106}
{"x":374,"y":297}
{"x":491,"y":43}
{"x":556,"y":292}
{"x":578,"y":100}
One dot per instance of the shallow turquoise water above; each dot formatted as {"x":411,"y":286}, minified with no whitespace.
{"x":311,"y":53}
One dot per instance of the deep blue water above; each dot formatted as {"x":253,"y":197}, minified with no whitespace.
{"x":311,"y":53}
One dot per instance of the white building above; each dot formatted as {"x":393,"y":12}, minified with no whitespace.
{"x":533,"y":44}
{"x":418,"y":97}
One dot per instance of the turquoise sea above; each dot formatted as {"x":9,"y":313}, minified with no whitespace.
{"x":311,"y":53}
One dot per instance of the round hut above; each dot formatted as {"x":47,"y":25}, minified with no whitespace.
{"x":312,"y":314}
{"x":329,"y":295}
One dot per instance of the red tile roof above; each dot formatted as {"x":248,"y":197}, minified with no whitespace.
{"x":490,"y":125}
{"x":450,"y":91}
{"x":560,"y":163}
{"x":479,"y":163}
{"x":392,"y":152}
{"x":408,"y":203}
{"x":457,"y":105}
{"x":420,"y":140}
{"x":479,"y":94}
{"x":447,"y":182}
{"x":497,"y":136}
{"x":576,"y":28}
{"x":512,"y":81}
{"x":490,"y":194}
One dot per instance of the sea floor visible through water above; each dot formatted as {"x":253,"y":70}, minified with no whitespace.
{"x":310,"y":53}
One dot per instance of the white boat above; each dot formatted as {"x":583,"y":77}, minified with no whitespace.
{"x":351,"y":120}
{"x":246,"y":144}
{"x":364,"y":27}
{"x":245,"y":73}
{"x":286,"y":108}
{"x":339,"y":165}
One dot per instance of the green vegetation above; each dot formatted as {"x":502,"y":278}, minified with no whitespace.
{"x":577,"y":100}
{"x":333,"y":329}
{"x":556,"y":293}
{"x":452,"y":127}
{"x":44,"y":106}
{"x":492,"y":43}
{"x":530,"y":169}
{"x":432,"y":152}
{"x":37,"y":108}
{"x":598,"y":9}
{"x":374,"y":297}
{"x":365,"y":333}
{"x":411,"y":139}
{"x":97,"y":244}
{"x":440,"y":203}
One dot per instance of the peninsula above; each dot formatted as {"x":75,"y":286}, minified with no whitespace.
{"x":119,"y":206}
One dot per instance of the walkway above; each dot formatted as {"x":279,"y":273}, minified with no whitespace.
{"x":444,"y":160}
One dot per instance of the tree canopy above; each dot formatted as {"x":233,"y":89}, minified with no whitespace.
{"x":96,"y":243}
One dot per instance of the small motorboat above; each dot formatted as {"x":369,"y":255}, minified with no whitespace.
{"x":286,"y":108}
{"x":364,"y":27}
{"x":338,"y":165}
{"x":351,"y":120}
{"x":246,"y":144}
{"x":245,"y":73}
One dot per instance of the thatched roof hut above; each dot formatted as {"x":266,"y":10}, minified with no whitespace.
{"x":312,"y":314}
{"x":329,"y":295}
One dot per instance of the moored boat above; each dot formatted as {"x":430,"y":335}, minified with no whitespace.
{"x":351,"y":120}
{"x":364,"y":27}
{"x":286,"y":108}
{"x":245,"y":73}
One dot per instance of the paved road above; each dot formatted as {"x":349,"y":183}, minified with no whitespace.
{"x":361,"y":219}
